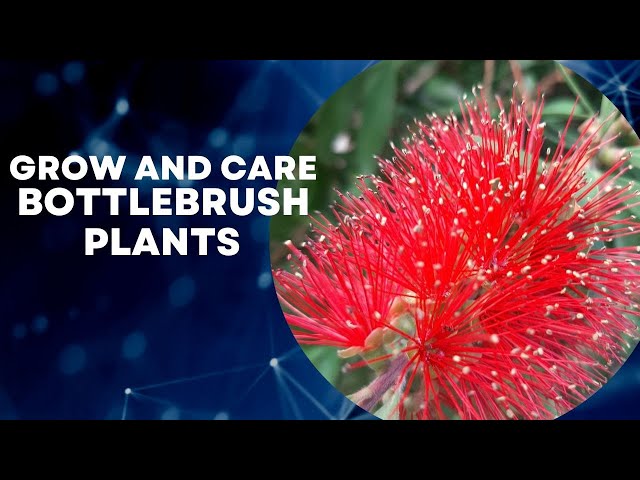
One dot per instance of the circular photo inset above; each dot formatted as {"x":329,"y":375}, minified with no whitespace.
{"x":474,"y":251}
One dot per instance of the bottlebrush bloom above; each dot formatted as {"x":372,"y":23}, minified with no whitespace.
{"x":476,"y":273}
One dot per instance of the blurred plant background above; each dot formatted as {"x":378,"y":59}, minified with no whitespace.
{"x":358,"y":122}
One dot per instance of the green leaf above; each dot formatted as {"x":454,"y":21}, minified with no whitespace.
{"x":379,"y":101}
{"x":562,"y":107}
{"x":326,"y":361}
{"x":576,"y":89}
{"x":441,"y":93}
{"x":606,"y":108}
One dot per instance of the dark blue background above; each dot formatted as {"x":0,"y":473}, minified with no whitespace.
{"x":193,"y":337}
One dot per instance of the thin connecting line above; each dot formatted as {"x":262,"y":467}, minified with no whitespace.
{"x":158,"y":400}
{"x":306,"y":393}
{"x":272,"y":349}
{"x":346,"y":408}
{"x":300,"y":82}
{"x":246,"y":90}
{"x":283,"y":388}
{"x":124,"y":407}
{"x":253,"y":384}
{"x":368,"y":65}
{"x":289,"y":354}
{"x":364,"y":416}
{"x":135,"y":392}
{"x":202,"y":376}
{"x":169,"y":403}
{"x":616,"y":84}
{"x":281,"y":375}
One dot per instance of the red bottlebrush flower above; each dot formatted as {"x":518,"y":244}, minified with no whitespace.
{"x":475,"y":270}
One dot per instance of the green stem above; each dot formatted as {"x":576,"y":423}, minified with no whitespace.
{"x":575,"y":88}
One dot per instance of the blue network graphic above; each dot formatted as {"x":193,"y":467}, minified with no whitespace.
{"x":178,"y":337}
{"x":617,"y":80}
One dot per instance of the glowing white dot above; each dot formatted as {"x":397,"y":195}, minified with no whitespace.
{"x":273,"y":362}
{"x":127,"y":391}
{"x":122,"y":106}
{"x":341,"y":143}
{"x":456,"y":358}
{"x":623,"y":88}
